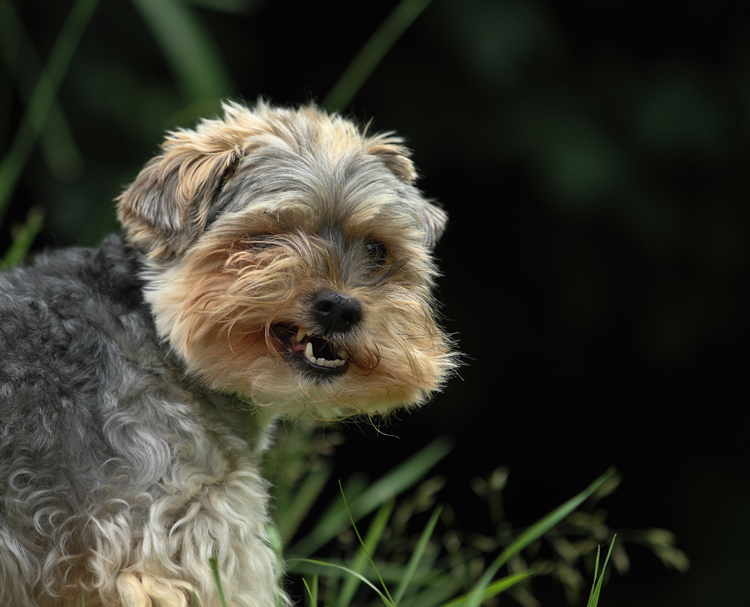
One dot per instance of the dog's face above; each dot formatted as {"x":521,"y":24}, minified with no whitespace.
{"x":290,"y":261}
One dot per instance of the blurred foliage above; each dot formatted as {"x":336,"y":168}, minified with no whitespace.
{"x":453,"y":557}
{"x":42,"y":98}
{"x":199,"y":74}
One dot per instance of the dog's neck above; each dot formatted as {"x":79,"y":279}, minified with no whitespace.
{"x":248,"y":421}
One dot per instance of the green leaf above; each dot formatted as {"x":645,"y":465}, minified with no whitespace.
{"x":493,"y":589}
{"x":43,"y":97}
{"x":387,"y":487}
{"x":372,"y":53}
{"x":368,"y":546}
{"x":187,"y":46}
{"x":416,"y":556}
{"x":533,"y":533}
{"x":301,"y":502}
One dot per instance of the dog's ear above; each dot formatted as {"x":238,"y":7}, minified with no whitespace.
{"x":393,"y":155}
{"x":433,"y":220}
{"x":169,"y":203}
{"x":397,"y":159}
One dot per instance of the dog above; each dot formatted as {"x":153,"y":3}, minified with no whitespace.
{"x":272,"y":263}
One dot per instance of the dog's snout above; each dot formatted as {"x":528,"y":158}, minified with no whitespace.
{"x":335,"y":312}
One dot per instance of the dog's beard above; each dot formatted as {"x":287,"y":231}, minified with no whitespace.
{"x":235,"y":315}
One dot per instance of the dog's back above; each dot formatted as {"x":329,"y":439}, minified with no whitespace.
{"x":63,"y":325}
{"x":95,"y":423}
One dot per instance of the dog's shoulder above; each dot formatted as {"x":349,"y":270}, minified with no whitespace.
{"x":110,"y":270}
{"x":68,"y":284}
{"x":64,"y":315}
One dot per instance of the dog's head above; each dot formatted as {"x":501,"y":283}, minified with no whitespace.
{"x":289,"y":261}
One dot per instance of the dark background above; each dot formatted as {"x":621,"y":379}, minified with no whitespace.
{"x":592,"y":157}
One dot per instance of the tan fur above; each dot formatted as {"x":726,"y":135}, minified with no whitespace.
{"x":216,"y":293}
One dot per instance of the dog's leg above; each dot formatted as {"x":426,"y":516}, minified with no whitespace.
{"x":169,"y":557}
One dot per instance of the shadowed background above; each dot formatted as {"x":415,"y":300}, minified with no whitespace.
{"x":592,"y":157}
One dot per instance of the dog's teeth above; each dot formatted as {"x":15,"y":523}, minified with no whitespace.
{"x":300,"y":335}
{"x":340,"y":353}
{"x":323,"y":362}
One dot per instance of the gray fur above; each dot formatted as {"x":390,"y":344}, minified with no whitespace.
{"x":94,"y":417}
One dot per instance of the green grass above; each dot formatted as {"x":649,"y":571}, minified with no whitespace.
{"x":399,"y":565}
{"x":597,"y":585}
{"x":414,"y":552}
{"x":43,"y":97}
{"x":372,"y":53}
{"x":22,"y":238}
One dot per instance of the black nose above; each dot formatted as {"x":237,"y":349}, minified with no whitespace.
{"x":336,"y":313}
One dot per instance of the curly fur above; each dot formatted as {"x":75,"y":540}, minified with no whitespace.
{"x":138,"y":379}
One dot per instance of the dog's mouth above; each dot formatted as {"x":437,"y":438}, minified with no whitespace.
{"x":315,"y":353}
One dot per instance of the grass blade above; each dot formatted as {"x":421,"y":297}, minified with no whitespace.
{"x":23,"y":239}
{"x":58,"y":147}
{"x":299,"y":505}
{"x":493,"y":589}
{"x":387,"y":487}
{"x":187,"y":46}
{"x":217,"y":580}
{"x":532,"y":533}
{"x":227,"y":6}
{"x":372,"y":53}
{"x":597,"y":586}
{"x":333,"y":519}
{"x":42,"y":98}
{"x":596,"y":574}
{"x":362,"y":578}
{"x":416,"y":556}
{"x":312,"y":593}
{"x":368,"y":546}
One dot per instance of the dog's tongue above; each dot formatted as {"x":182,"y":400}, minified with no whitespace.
{"x":297,"y":346}
{"x":318,"y":344}
{"x":311,"y":345}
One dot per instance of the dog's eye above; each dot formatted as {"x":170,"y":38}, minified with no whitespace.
{"x":376,"y":252}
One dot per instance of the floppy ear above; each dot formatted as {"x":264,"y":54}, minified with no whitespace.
{"x":397,"y":159}
{"x":395,"y":156}
{"x":433,"y":220}
{"x":168,"y":204}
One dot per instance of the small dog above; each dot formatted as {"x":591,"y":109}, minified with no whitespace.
{"x":274,"y":262}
